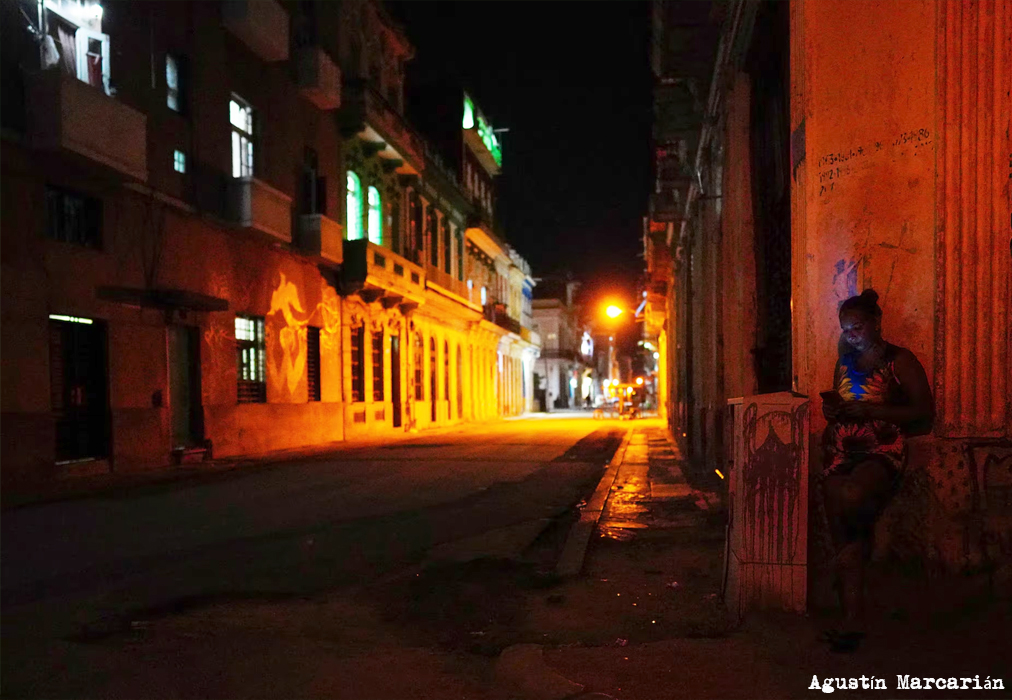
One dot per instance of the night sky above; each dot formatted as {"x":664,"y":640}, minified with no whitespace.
{"x":571,"y":81}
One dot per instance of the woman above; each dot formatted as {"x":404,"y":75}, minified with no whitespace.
{"x":881,"y":396}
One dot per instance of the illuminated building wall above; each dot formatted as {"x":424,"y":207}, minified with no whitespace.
{"x":802,"y":184}
{"x":152,"y":301}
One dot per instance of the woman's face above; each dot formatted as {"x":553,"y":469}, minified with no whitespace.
{"x":860,"y":330}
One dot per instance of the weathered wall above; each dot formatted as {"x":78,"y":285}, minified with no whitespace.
{"x":902,"y":184}
{"x":869,"y":188}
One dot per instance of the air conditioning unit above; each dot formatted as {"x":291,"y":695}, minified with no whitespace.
{"x":766,"y":552}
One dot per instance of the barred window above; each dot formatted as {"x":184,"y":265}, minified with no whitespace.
{"x":313,"y":362}
{"x":358,"y":364}
{"x":73,"y":218}
{"x":377,"y":366}
{"x":251,"y":350}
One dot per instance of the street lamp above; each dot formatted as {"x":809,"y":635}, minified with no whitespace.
{"x":613,"y":311}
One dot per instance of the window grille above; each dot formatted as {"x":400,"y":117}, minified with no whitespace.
{"x":73,"y":218}
{"x":358,"y":364}
{"x":313,"y":362}
{"x":251,"y":351}
{"x":241,"y":119}
{"x":377,"y":366}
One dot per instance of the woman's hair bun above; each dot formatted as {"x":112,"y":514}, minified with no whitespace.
{"x":866,"y":301}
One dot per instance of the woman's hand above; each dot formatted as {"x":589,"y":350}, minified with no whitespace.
{"x":831,"y":411}
{"x":853,"y":410}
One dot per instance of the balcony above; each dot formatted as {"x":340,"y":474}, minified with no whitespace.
{"x":69,"y":114}
{"x":446,"y":282}
{"x":321,"y":237}
{"x":496,"y":313}
{"x":260,"y":24}
{"x":256,"y":205}
{"x":379,"y":274}
{"x":366,"y":114}
{"x":318,"y":77}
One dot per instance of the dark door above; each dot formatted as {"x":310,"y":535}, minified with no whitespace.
{"x":184,"y":386}
{"x":395,"y":378}
{"x":78,"y":382}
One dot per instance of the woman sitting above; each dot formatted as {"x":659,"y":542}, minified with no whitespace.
{"x":881,"y":396}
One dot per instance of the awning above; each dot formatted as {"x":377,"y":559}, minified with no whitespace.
{"x":162,"y":298}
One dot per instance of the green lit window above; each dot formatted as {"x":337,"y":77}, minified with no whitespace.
{"x":375,"y":217}
{"x":354,"y":213}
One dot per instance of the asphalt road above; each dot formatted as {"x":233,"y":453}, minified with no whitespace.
{"x":76,"y":568}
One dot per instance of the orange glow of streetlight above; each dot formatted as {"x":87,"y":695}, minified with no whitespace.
{"x":613,"y":311}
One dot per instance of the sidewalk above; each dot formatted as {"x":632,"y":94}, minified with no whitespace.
{"x":652,"y":625}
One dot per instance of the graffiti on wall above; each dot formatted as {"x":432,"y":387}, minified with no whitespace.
{"x":771,"y":476}
{"x":835,"y":169}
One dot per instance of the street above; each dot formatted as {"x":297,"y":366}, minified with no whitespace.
{"x":84,"y":569}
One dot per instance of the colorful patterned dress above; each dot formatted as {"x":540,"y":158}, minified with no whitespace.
{"x":848,"y":443}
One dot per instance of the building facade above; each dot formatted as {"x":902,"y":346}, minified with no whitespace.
{"x":222,"y":237}
{"x":564,"y":372}
{"x":786,"y":185}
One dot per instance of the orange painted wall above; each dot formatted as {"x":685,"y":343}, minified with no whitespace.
{"x":868,"y":178}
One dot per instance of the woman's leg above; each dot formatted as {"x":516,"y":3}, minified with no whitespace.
{"x":853,"y":503}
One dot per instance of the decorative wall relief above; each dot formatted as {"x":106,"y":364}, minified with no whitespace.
{"x":286,"y":322}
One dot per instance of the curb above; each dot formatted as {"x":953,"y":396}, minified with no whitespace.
{"x":575,"y":549}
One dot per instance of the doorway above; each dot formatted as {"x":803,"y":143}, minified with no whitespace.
{"x":78,"y":385}
{"x":184,"y":387}
{"x":395,"y":378}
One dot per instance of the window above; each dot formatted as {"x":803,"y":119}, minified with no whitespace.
{"x":83,"y":48}
{"x":432,"y":230}
{"x":484,"y":296}
{"x":460,"y":257}
{"x":240,"y":115}
{"x":354,"y":206}
{"x":73,"y":218}
{"x":179,"y":161}
{"x":419,"y":368}
{"x":175,"y":82}
{"x":377,"y":366}
{"x":447,"y":246}
{"x":251,"y":349}
{"x":446,"y":370}
{"x":358,"y":364}
{"x":375,"y":217}
{"x":313,"y":362}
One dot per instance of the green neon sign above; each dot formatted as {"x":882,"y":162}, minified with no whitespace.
{"x":485,"y":131}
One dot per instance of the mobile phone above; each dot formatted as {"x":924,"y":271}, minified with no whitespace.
{"x":831,"y":397}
